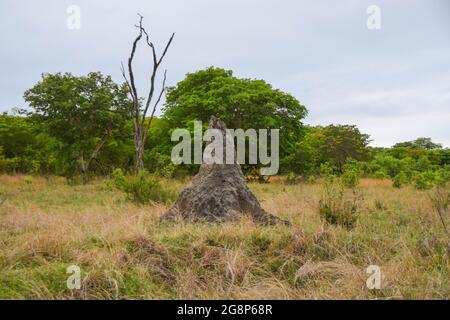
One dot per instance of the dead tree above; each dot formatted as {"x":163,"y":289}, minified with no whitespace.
{"x":141,"y":107}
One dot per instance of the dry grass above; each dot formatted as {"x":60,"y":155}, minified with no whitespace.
{"x":125,"y":252}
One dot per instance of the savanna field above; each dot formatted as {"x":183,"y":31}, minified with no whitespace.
{"x":125,"y":251}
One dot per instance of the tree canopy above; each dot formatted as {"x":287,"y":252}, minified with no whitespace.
{"x":337,"y":143}
{"x":240,"y":103}
{"x":81,"y":112}
{"x":420,"y":143}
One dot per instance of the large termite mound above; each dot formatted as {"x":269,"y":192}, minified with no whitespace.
{"x":219,"y":192}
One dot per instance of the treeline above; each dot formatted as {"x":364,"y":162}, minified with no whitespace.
{"x":83,"y":126}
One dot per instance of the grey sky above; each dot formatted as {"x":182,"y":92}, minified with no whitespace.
{"x":393,"y":83}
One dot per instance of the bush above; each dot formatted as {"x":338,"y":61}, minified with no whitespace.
{"x":142,"y":188}
{"x":400,"y":179}
{"x":389,"y":165}
{"x":327,"y":169}
{"x":350,"y":178}
{"x":443,"y":176}
{"x":424,"y":180}
{"x":380,"y":175}
{"x":336,"y":207}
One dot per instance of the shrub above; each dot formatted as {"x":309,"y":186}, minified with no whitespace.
{"x":380,"y":175}
{"x":424,"y":180}
{"x":142,"y":188}
{"x":389,"y":165}
{"x":350,"y":178}
{"x":442,"y":176}
{"x":336,"y":207}
{"x":400,"y":179}
{"x":167,"y":171}
{"x":327,"y":169}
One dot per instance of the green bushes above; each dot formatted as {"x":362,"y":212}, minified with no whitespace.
{"x":353,"y":170}
{"x":421,"y":172}
{"x":142,"y":188}
{"x":350,"y":178}
{"x":400,"y":179}
{"x":424,"y":180}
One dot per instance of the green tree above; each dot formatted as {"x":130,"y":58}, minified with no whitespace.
{"x":84,"y":113}
{"x":421,"y":143}
{"x":303,"y":160}
{"x":337,"y":143}
{"x":241,"y":103}
{"x":18,"y":139}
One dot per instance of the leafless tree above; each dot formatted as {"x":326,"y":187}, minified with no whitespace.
{"x":140,"y":107}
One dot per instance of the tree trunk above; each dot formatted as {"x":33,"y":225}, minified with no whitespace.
{"x":139,"y":141}
{"x":84,"y":169}
{"x":85,"y":165}
{"x":139,"y":165}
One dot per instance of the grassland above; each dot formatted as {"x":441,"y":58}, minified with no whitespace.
{"x":125,"y":252}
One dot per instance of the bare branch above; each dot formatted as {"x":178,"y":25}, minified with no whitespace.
{"x":156,"y":103}
{"x":126,"y":80}
{"x":152,"y":79}
{"x":166,"y":48}
{"x":150,"y":44}
{"x":130,"y":68}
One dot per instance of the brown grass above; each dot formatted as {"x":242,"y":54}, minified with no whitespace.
{"x":125,"y":252}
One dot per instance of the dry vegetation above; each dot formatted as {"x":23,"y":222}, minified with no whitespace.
{"x":125,"y":252}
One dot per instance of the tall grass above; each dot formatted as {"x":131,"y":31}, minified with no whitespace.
{"x":124,"y":251}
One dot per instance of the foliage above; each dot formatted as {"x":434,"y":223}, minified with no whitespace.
{"x":82,"y":112}
{"x":304,"y":157}
{"x":350,"y":178}
{"x":399,"y":180}
{"x":424,"y":180}
{"x":420,"y":143}
{"x":142,"y":188}
{"x":80,"y":125}
{"x":337,"y":143}
{"x":240,"y":103}
{"x":327,"y":169}
{"x":353,"y":171}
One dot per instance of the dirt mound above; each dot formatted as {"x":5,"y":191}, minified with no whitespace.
{"x":219,"y":192}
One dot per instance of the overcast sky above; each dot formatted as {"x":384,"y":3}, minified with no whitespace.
{"x":393,"y":83}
